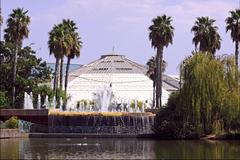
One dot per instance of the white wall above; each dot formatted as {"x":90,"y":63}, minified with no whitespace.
{"x":124,"y":86}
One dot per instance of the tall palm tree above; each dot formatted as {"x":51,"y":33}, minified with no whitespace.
{"x":151,"y":73}
{"x":17,"y":29}
{"x":161,"y":35}
{"x":206,"y":38}
{"x":75,"y":46}
{"x":58,"y":45}
{"x":233,"y":25}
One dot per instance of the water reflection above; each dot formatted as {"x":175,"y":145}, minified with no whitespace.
{"x":197,"y":149}
{"x":117,"y":148}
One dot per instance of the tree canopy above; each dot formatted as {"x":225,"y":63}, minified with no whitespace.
{"x":31,"y":71}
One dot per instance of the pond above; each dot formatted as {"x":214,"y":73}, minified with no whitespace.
{"x":119,"y":148}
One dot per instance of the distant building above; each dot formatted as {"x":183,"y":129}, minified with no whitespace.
{"x":72,"y":67}
{"x":126,"y":78}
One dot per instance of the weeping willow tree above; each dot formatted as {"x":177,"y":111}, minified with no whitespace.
{"x":208,"y":95}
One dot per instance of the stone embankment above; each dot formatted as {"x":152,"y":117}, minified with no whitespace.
{"x":12,"y":133}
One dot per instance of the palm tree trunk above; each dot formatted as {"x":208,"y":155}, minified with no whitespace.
{"x":236,"y":59}
{"x":56,"y":77}
{"x":154,"y":94}
{"x":61,"y":74}
{"x":66,"y":76}
{"x":159,"y":77}
{"x":14,"y":75}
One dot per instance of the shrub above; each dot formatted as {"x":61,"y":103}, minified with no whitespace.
{"x":3,"y":99}
{"x":43,"y":91}
{"x":166,"y":129}
{"x":12,"y":122}
{"x":2,"y":125}
{"x":169,"y":122}
{"x":139,"y":104}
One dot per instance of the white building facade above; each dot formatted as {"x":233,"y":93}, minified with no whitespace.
{"x":127,"y":79}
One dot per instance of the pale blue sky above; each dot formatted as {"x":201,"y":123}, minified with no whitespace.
{"x":123,"y":24}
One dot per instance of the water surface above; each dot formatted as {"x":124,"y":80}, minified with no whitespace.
{"x":119,"y":148}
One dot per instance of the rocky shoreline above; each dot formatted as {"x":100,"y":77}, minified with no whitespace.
{"x":15,"y":133}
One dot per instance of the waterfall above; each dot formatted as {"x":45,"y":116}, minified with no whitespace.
{"x":135,"y":105}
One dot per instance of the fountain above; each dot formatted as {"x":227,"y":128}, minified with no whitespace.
{"x":54,"y":102}
{"x":46,"y":102}
{"x":109,"y":115}
{"x":39,"y":102}
{"x":60,"y":104}
{"x":103,"y":99}
{"x":28,"y":103}
{"x":30,"y":100}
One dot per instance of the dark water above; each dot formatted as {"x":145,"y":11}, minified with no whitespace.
{"x":119,"y":148}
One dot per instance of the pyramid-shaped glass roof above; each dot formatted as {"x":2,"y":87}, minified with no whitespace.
{"x":110,"y":63}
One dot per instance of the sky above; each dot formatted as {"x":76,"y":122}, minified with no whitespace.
{"x":122,"y":24}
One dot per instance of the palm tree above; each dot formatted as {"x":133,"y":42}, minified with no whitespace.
{"x":206,"y":37}
{"x":17,"y":29}
{"x":58,"y":45}
{"x":233,"y":25}
{"x":75,"y":47}
{"x":161,"y":35}
{"x":151,"y":73}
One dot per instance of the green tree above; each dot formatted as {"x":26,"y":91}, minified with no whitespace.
{"x":161,"y":35}
{"x":3,"y":99}
{"x":71,"y":29}
{"x":31,"y":72}
{"x":151,"y":73}
{"x":206,"y":84}
{"x":206,"y":37}
{"x":17,"y":29}
{"x":207,"y":103}
{"x":233,"y":25}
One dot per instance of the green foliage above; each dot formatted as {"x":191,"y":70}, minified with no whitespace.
{"x":208,"y":95}
{"x":2,"y":125}
{"x":208,"y":100}
{"x":152,"y":68}
{"x":169,"y":122}
{"x":17,"y":26}
{"x":85,"y":102}
{"x":139,"y":104}
{"x":62,"y":94}
{"x":42,"y":90}
{"x":232,"y":24}
{"x":3,"y":99}
{"x":31,"y":71}
{"x":206,"y":35}
{"x":12,"y":123}
{"x":161,"y":31}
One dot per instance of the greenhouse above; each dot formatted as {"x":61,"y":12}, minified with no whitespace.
{"x":126,"y":79}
